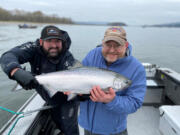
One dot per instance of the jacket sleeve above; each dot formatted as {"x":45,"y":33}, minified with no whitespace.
{"x":16,"y":56}
{"x":133,"y":97}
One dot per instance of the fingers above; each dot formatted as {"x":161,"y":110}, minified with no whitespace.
{"x":93,"y":99}
{"x":97,"y":94}
{"x":93,"y":95}
{"x":111,"y":91}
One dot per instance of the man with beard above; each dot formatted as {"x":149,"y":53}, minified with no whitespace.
{"x":47,"y":54}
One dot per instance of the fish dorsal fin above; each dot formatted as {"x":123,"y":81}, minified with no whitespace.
{"x":76,"y":64}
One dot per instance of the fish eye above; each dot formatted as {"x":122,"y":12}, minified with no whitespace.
{"x":126,"y":81}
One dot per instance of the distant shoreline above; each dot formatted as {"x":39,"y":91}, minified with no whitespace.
{"x":58,"y":23}
{"x":16,"y":22}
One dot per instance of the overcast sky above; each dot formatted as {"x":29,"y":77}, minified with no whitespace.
{"x":128,"y":11}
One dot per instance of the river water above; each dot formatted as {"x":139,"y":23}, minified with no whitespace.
{"x":154,"y":45}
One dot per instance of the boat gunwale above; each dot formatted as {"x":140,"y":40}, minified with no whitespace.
{"x":11,"y":120}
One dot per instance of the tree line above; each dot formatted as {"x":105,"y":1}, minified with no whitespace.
{"x":37,"y":17}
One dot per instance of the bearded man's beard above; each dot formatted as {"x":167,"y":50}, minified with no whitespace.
{"x":51,"y":53}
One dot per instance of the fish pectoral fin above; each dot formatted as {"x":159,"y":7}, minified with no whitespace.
{"x":71,"y":96}
{"x":17,"y":87}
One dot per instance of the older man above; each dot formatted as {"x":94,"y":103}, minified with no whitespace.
{"x":106,"y":113}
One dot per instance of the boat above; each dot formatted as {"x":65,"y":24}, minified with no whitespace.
{"x":26,"y":26}
{"x":159,"y":114}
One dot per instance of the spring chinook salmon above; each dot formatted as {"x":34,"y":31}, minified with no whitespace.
{"x":81,"y":80}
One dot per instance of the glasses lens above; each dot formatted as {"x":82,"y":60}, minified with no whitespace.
{"x":108,"y":46}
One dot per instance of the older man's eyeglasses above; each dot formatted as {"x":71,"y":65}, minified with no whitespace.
{"x":109,"y":46}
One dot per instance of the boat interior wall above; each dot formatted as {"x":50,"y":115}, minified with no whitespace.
{"x":163,"y":86}
{"x":170,"y":74}
{"x":171,"y":80}
{"x":155,"y":86}
{"x":154,"y":93}
{"x":153,"y":97}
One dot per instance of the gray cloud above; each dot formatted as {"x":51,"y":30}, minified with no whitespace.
{"x":128,"y":11}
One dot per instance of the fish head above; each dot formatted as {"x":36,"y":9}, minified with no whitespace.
{"x":121,"y":83}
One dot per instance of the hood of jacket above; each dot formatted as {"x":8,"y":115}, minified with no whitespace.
{"x":66,"y":45}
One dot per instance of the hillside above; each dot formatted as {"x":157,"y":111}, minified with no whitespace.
{"x":37,"y":17}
